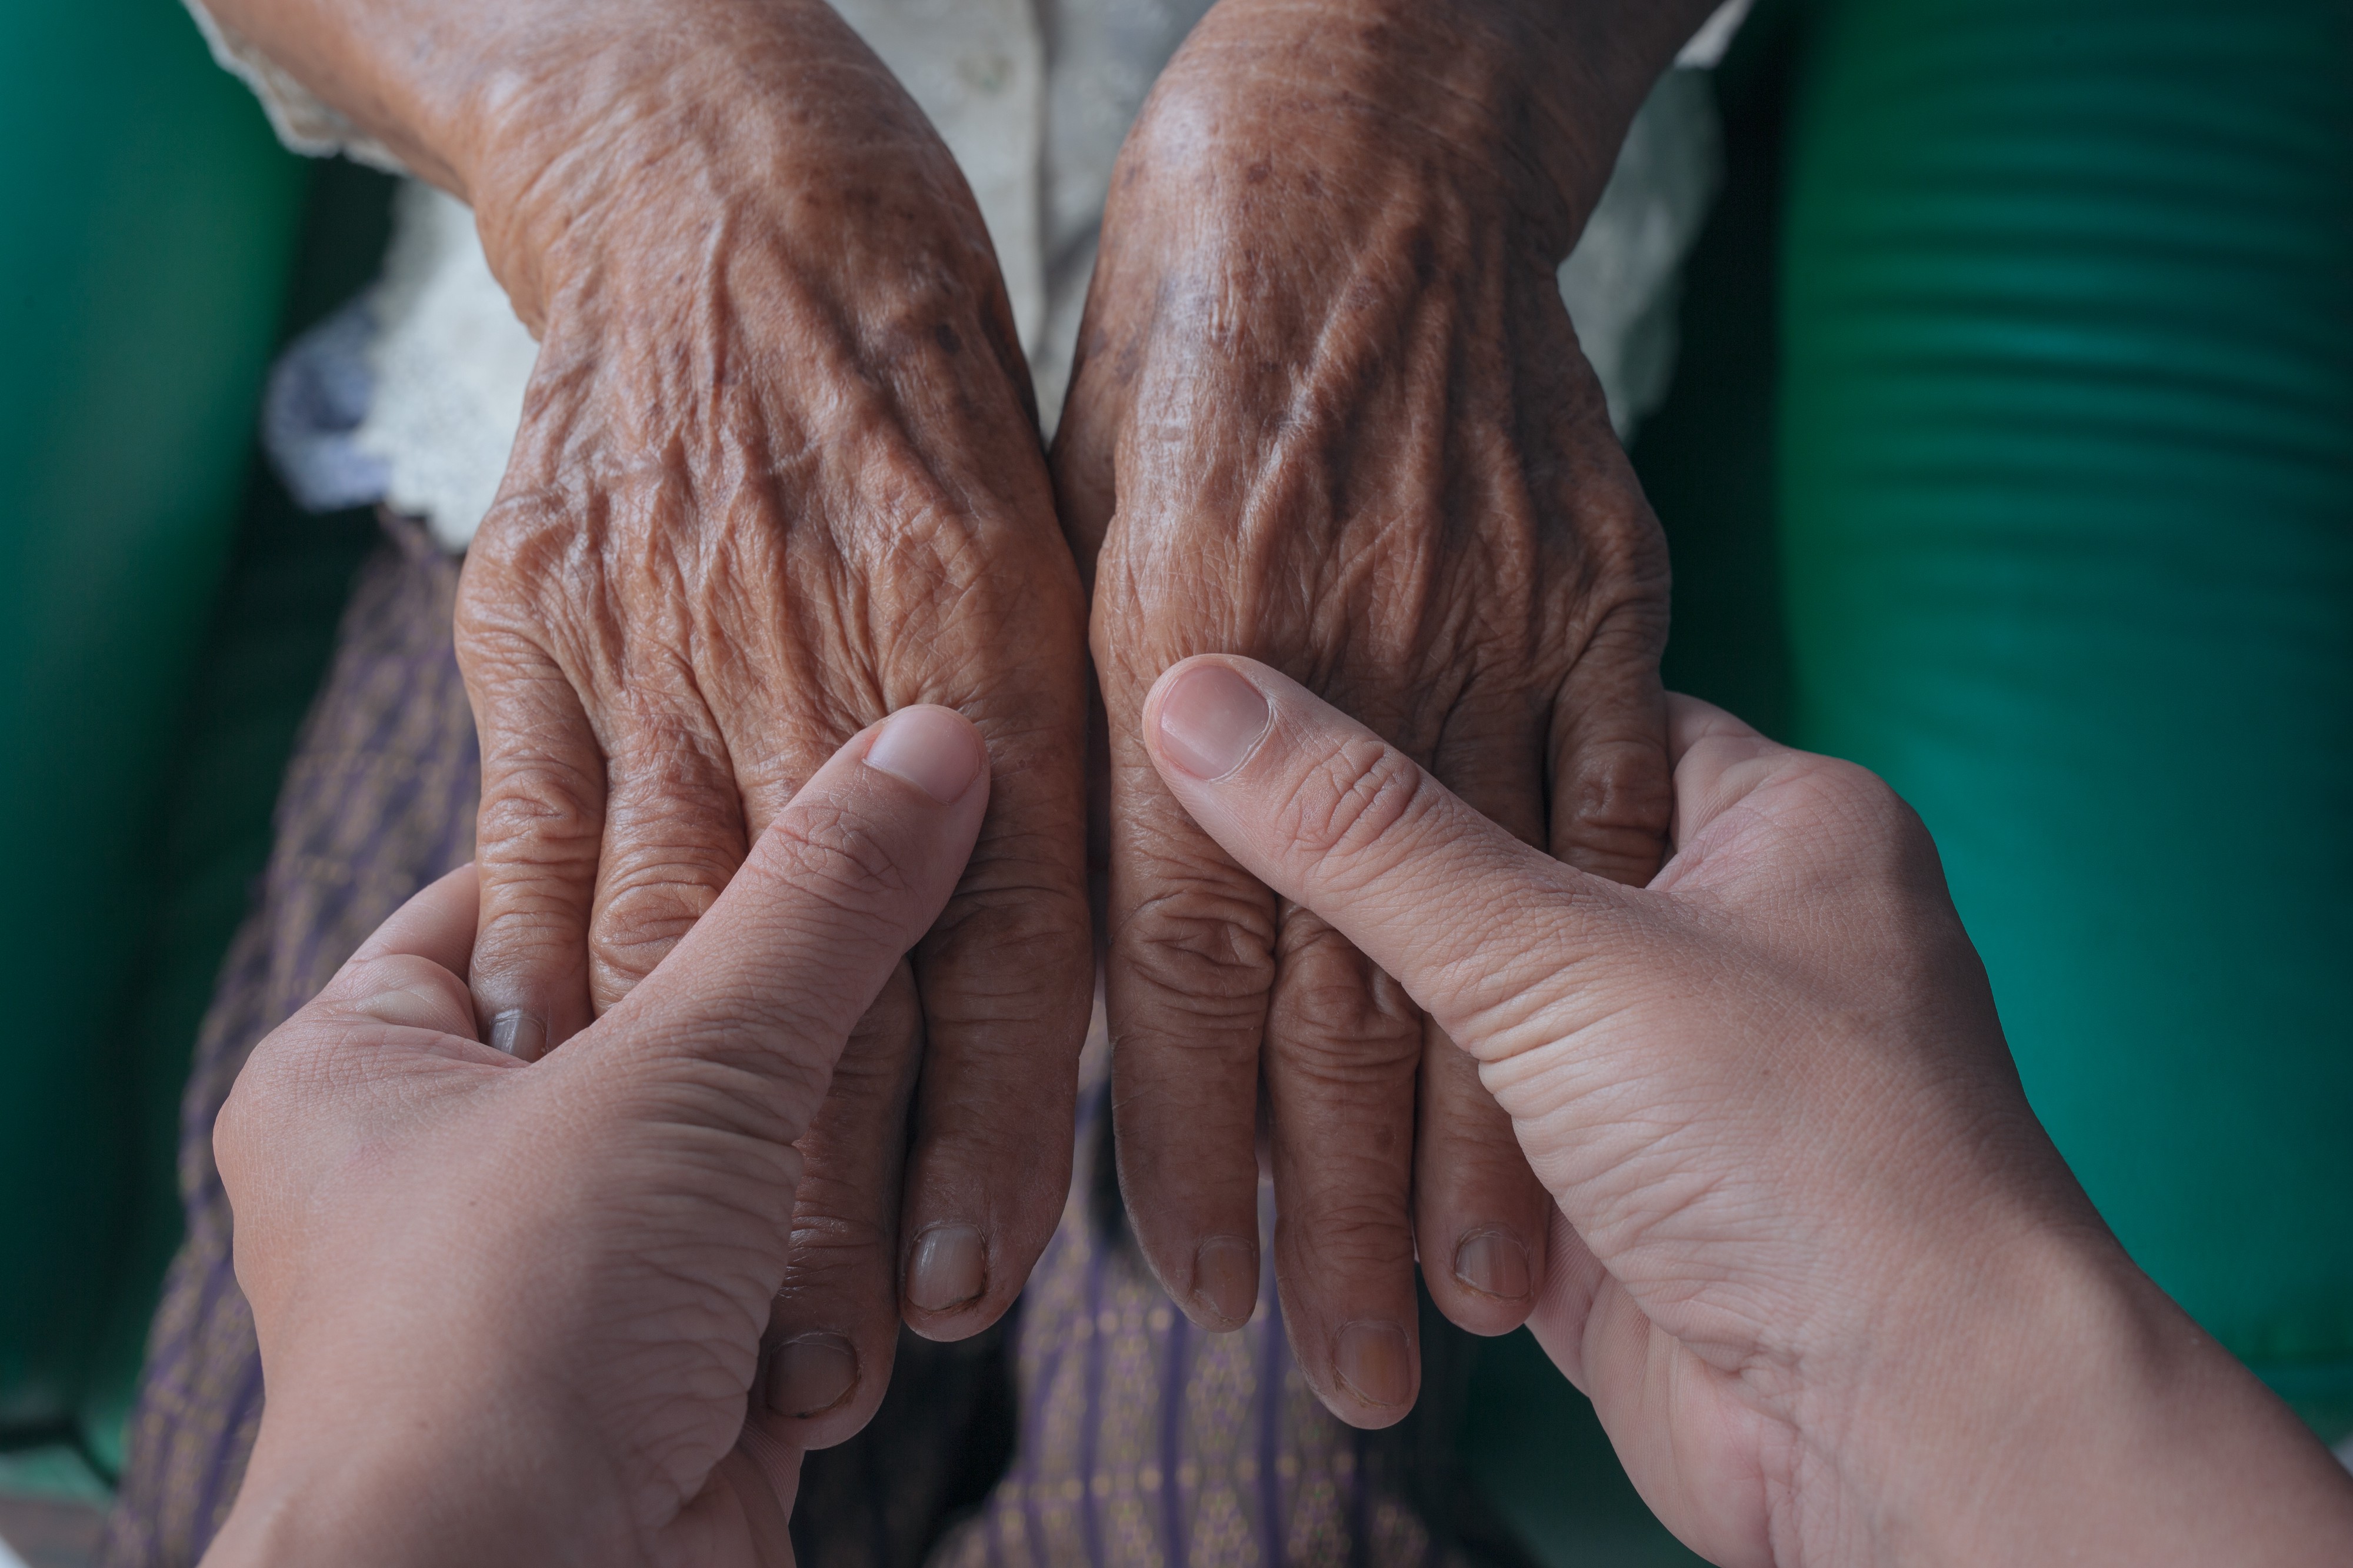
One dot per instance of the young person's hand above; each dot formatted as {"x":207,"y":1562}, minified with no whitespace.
{"x":517,"y":1312}
{"x":1834,"y":1295}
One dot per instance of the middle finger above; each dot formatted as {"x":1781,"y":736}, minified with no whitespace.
{"x":1480,"y":1214}
{"x":833,"y":1329}
{"x":1343,"y":1050}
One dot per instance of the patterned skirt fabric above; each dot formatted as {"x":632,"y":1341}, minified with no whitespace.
{"x":1145,"y":1443}
{"x":378,"y":801}
{"x":1096,"y":1428}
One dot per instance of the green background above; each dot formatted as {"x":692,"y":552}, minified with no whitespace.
{"x":165,"y":615}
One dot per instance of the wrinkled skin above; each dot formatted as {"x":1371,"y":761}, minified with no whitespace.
{"x":1330,"y":412}
{"x":513,"y":1312}
{"x":777,"y":478}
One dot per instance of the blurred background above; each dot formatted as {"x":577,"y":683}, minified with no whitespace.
{"x":2009,"y":453}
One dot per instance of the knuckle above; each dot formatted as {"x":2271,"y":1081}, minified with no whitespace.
{"x":1334,"y":1022}
{"x":1620,"y":783}
{"x":1032,"y":922}
{"x":1614,"y":813}
{"x":540,"y":811}
{"x":647,"y":905}
{"x":1359,"y":795}
{"x":1864,"y":813}
{"x":831,"y":1238}
{"x":672,"y":763}
{"x":1199,"y":942}
{"x":1871,"y":796}
{"x":1343,"y":1046}
{"x":1372,"y":1209}
{"x":526,"y":924}
{"x":873,"y":1076}
{"x":616,"y":967}
{"x":1348,"y":1233}
{"x":655,"y":873}
{"x":255,"y":1100}
{"x":1369,"y":1073}
{"x":1474,"y":1160}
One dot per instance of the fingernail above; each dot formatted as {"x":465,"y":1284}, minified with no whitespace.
{"x":949,"y":1268}
{"x":1225,"y":1278}
{"x":1210,"y":720}
{"x":1493,"y":1265}
{"x":931,"y":749}
{"x":811,"y":1374}
{"x":1376,"y":1364}
{"x":518,"y":1034}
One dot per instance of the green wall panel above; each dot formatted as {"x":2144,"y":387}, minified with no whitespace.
{"x":142,"y":268}
{"x":2067,"y":509}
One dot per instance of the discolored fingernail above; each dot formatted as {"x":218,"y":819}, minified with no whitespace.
{"x":930,"y":748}
{"x":1493,"y":1265}
{"x":811,"y":1374}
{"x":1225,"y":1278}
{"x":1376,"y":1363}
{"x":1210,"y":720}
{"x":519,"y":1035}
{"x":950,"y":1268}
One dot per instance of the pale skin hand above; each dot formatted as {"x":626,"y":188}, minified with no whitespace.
{"x":1835,"y":1297}
{"x":514,"y":1312}
{"x":1832,"y":1292}
{"x":778,"y":476}
{"x":1329,"y":411}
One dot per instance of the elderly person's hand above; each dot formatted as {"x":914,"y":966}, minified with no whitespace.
{"x":513,"y":1312}
{"x":779,"y":475}
{"x":1833,"y":1294}
{"x":1330,"y":411}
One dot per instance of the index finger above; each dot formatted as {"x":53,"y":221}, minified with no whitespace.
{"x":1479,"y":927}
{"x":771,"y":981}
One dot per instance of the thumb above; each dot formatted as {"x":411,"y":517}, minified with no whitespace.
{"x":1484,"y":932}
{"x":771,"y":981}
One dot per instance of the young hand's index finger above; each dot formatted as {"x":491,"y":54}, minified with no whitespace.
{"x":1475,"y":924}
{"x":437,"y":923}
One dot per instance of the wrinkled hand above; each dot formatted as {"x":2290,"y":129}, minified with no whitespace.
{"x":779,"y":475}
{"x":1330,"y":412}
{"x":1834,"y":1295}
{"x":513,"y":1313}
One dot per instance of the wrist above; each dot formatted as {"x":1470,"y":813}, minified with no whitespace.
{"x":378,"y":1451}
{"x":625,"y":147}
{"x":2055,"y":1406}
{"x":1522,"y":101}
{"x":567,"y":149}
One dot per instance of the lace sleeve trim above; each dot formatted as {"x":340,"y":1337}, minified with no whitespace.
{"x":304,"y":123}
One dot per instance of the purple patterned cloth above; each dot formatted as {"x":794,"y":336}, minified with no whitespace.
{"x":378,"y":801}
{"x":1096,"y":1428}
{"x":1147,"y":1443}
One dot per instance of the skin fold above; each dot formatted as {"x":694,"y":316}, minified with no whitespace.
{"x":779,"y":475}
